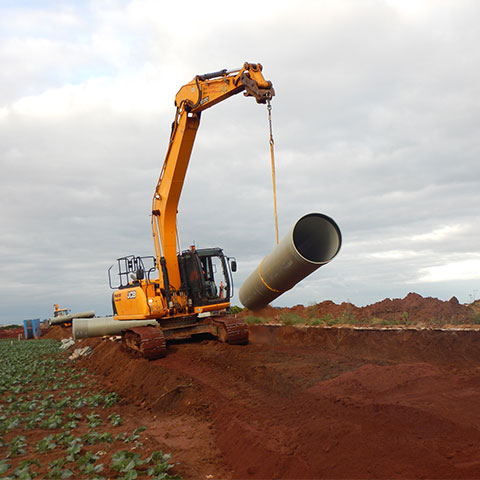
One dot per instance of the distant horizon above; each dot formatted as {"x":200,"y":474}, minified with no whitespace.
{"x":292,"y":306}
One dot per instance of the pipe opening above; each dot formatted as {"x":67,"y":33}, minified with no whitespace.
{"x":317,"y":238}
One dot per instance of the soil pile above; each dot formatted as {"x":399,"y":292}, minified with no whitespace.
{"x":413,"y":309}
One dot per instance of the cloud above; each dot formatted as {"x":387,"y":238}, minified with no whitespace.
{"x":466,"y":269}
{"x":125,"y":95}
{"x":439,"y":234}
{"x":374,"y":121}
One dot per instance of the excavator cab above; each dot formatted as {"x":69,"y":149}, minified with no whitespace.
{"x":206,"y":275}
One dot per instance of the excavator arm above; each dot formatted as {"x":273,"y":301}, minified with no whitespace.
{"x":203,"y":92}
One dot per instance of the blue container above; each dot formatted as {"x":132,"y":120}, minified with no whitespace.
{"x":32,"y":328}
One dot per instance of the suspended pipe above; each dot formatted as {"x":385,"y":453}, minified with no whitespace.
{"x":313,"y":241}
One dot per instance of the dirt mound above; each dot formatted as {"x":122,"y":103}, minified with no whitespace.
{"x":419,"y":309}
{"x":57,"y":332}
{"x":413,"y":309}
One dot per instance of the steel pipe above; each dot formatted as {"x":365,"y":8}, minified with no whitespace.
{"x":313,"y":241}
{"x":67,"y":318}
{"x":100,"y":326}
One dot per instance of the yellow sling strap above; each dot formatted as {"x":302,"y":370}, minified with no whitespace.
{"x":272,"y":155}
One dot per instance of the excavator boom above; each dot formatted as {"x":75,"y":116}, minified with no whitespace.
{"x":203,"y":92}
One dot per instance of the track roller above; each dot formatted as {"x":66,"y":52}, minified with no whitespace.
{"x":149,"y":342}
{"x":231,"y":330}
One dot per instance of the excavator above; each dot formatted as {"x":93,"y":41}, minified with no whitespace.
{"x":184,"y":292}
{"x":62,"y":312}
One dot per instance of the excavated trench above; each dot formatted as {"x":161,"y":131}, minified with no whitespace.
{"x":310,"y":402}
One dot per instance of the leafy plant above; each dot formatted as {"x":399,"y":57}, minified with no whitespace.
{"x":74,"y":449}
{"x":12,"y":423}
{"x":115,"y":419}
{"x":252,"y":320}
{"x":236,"y":309}
{"x":105,"y":437}
{"x":61,"y":404}
{"x":23,"y":472}
{"x":45,"y":444}
{"x":121,"y":436}
{"x":347,"y":318}
{"x":291,"y":319}
{"x":94,"y":420}
{"x":130,"y":464}
{"x":136,"y":434}
{"x":95,"y":400}
{"x":52,"y":422}
{"x":75,"y":416}
{"x":110,"y":399}
{"x":71,"y":425}
{"x":56,"y":469}
{"x":4,"y":466}
{"x":91,"y":437}
{"x":160,"y":465}
{"x":126,"y":462}
{"x":33,"y":420}
{"x":65,"y":438}
{"x":17,"y":445}
{"x":87,"y":459}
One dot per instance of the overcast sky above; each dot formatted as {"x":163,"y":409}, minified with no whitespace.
{"x":376,"y":120}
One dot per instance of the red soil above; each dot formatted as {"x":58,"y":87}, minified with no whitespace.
{"x":311,"y":403}
{"x":412,"y":309}
{"x":11,"y":332}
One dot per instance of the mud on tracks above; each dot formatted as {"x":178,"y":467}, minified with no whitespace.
{"x":310,"y":402}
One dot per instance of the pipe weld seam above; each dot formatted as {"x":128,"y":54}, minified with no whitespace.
{"x":264,"y":282}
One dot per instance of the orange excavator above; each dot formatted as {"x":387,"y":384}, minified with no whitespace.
{"x":59,"y":312}
{"x":185,"y":292}
{"x":62,"y":312}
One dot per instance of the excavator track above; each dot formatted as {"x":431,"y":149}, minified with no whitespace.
{"x":149,"y":342}
{"x":232,"y":330}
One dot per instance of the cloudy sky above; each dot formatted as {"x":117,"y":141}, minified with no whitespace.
{"x":376,"y":120}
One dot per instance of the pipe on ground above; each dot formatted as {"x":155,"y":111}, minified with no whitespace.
{"x":67,"y":318}
{"x":313,"y":241}
{"x":100,"y":326}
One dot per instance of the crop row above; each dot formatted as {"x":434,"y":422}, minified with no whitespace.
{"x":55,"y":425}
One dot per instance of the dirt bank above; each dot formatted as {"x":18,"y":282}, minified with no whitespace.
{"x":310,"y":402}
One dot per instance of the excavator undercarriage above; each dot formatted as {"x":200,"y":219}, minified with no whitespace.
{"x":150,"y":342}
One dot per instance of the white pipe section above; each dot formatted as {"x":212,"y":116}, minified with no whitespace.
{"x":67,"y":318}
{"x":100,"y":326}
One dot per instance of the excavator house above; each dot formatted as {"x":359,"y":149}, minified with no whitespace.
{"x":186,"y":292}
